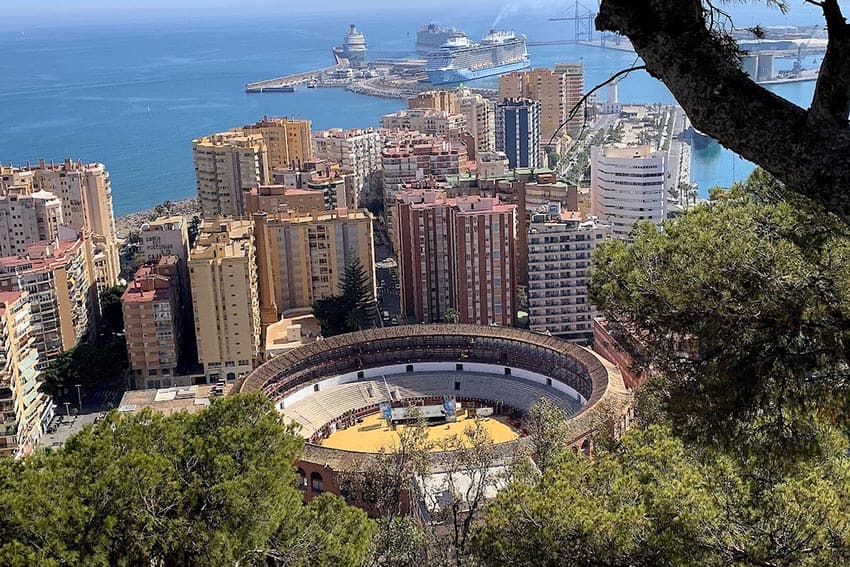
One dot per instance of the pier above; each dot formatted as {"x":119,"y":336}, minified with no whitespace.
{"x":290,"y":81}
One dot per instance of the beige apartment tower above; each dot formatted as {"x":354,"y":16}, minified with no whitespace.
{"x":223,"y":276}
{"x":480,"y":114}
{"x":560,"y":250}
{"x":226,"y":166}
{"x":558,"y":92}
{"x":287,"y":141}
{"x":446,"y":101}
{"x":574,"y":84}
{"x":302,"y":257}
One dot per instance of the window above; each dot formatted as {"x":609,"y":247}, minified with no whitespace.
{"x":316,"y":483}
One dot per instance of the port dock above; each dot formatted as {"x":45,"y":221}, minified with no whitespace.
{"x":289,"y":82}
{"x":386,"y":78}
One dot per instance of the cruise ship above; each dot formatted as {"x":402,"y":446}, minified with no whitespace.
{"x":353,"y":49}
{"x":460,"y":60}
{"x":433,"y":36}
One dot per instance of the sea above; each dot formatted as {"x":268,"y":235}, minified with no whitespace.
{"x":133,"y":92}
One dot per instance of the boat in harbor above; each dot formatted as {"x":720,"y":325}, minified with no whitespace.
{"x":459,"y":60}
{"x":353,"y":49}
{"x":432,"y":36}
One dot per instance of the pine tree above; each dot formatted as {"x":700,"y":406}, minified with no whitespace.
{"x":356,"y":295}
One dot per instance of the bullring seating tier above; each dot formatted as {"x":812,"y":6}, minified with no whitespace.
{"x":323,"y":407}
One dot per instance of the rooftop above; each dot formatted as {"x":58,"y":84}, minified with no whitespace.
{"x":8,"y":297}
{"x":42,"y":256}
{"x":171,"y":400}
{"x":222,"y":238}
{"x":174,"y":222}
{"x":147,"y":287}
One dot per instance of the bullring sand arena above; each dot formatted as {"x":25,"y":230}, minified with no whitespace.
{"x":373,"y":434}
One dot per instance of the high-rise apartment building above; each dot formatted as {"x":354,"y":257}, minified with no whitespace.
{"x":287,"y":140}
{"x":480,"y":114}
{"x":27,"y":217}
{"x":273,"y":198}
{"x":226,"y":166}
{"x":23,"y":407}
{"x":518,"y":131}
{"x":417,"y":161}
{"x":627,"y":186}
{"x":325,"y":178}
{"x":483,"y":234}
{"x":427,"y":121}
{"x":558,"y":92}
{"x":165,"y":245}
{"x":456,"y":254}
{"x":446,"y":101}
{"x":574,"y":86}
{"x":302,"y":257}
{"x":355,"y":150}
{"x":153,"y":324}
{"x":62,"y":291}
{"x":223,"y":276}
{"x":86,"y":196}
{"x":560,"y":248}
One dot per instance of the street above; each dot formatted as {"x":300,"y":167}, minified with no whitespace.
{"x":387,"y":280}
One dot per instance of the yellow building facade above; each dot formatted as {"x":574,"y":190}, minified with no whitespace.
{"x":227,"y":165}
{"x":288,"y":141}
{"x":223,"y":279}
{"x":302,"y":257}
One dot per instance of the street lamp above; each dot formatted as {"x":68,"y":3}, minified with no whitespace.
{"x":79,"y":397}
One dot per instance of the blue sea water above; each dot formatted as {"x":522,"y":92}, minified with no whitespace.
{"x":134,"y":93}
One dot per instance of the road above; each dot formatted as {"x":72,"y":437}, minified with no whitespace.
{"x":387,"y":279}
{"x":71,"y":419}
{"x":566,"y":166}
{"x":679,"y":157}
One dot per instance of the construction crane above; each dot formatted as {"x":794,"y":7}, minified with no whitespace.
{"x":582,"y":17}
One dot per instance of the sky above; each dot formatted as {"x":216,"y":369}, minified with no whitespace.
{"x":58,"y":11}
{"x":23,"y":8}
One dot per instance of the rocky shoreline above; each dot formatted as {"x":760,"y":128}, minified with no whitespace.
{"x":132,"y":223}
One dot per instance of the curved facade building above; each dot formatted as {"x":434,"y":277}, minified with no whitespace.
{"x":627,"y":186}
{"x":353,"y":48}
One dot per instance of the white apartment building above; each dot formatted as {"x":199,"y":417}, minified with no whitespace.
{"x":480,"y":114}
{"x":560,"y":247}
{"x":627,"y":186}
{"x":355,"y":150}
{"x":27,"y":217}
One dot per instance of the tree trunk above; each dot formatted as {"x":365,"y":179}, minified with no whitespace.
{"x":809,"y":150}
